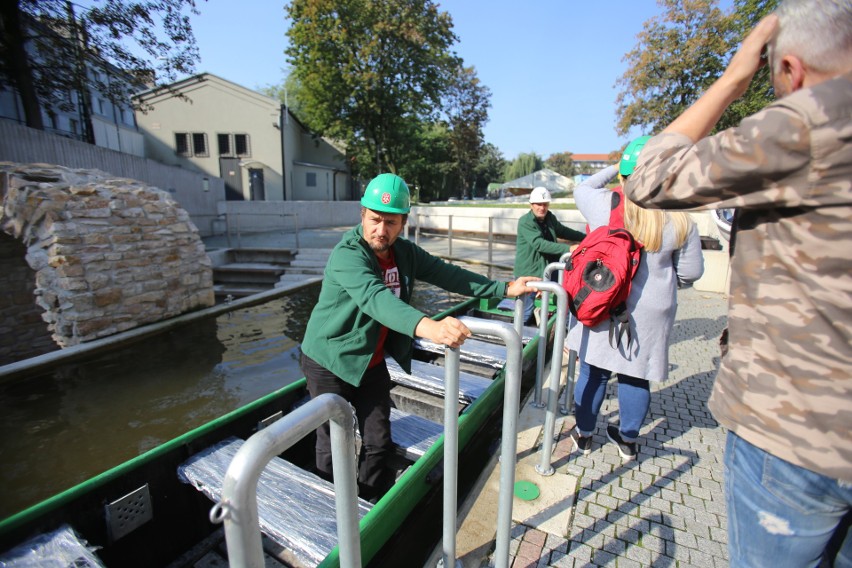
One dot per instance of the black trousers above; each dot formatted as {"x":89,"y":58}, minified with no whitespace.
{"x":372,"y":403}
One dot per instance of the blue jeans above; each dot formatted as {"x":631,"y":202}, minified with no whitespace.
{"x":634,"y":397}
{"x":780,"y":514}
{"x":529,"y":306}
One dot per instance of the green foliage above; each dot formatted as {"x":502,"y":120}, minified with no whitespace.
{"x":372,"y":73}
{"x":561,"y":163}
{"x":679,"y":55}
{"x":489,"y":170}
{"x":466,"y":105}
{"x":760,"y":92}
{"x":524,"y":164}
{"x":47,"y":50}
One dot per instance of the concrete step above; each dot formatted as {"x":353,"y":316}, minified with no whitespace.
{"x":250,"y":273}
{"x":294,"y":277}
{"x":308,"y":263}
{"x":263,"y":255}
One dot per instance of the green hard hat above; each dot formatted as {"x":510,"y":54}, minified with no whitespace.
{"x":631,"y":154}
{"x":387,"y":193}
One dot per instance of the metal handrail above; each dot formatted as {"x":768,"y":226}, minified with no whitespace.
{"x":237,"y":215}
{"x":238,"y":506}
{"x":568,"y":393}
{"x":508,"y":453}
{"x":542,"y":331}
{"x":544,"y":467}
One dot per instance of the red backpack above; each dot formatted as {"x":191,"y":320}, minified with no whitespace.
{"x":599,"y":272}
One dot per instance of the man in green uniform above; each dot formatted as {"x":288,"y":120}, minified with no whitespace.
{"x":536,"y":245}
{"x":363,"y":312}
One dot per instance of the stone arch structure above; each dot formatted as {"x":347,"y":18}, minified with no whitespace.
{"x":95,"y":255}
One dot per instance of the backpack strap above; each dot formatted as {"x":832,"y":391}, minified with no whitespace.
{"x":616,"y":209}
{"x":619,"y":323}
{"x":619,"y":326}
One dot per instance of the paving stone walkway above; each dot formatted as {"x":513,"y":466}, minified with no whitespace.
{"x":666,"y":508}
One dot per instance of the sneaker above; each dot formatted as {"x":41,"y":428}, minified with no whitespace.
{"x":627,"y":450}
{"x":583,"y":444}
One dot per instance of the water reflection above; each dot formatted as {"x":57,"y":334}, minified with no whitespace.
{"x":62,"y":427}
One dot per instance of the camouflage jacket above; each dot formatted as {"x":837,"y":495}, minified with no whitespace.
{"x":785,"y":384}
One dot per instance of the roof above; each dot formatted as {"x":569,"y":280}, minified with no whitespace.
{"x":590,"y":157}
{"x":547,"y":178}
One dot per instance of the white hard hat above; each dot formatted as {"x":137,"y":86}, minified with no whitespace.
{"x":539,"y":195}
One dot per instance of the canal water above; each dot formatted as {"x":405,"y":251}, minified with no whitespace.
{"x":77,"y":420}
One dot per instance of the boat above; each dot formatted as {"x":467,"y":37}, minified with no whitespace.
{"x":155,"y":510}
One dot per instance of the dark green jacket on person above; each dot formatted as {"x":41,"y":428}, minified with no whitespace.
{"x":533,"y":252}
{"x":354,"y":303}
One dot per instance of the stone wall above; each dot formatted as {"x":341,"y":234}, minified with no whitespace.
{"x":107,"y":254}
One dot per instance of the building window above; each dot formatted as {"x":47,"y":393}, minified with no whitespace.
{"x":311,"y":180}
{"x":241,"y":145}
{"x":74,"y":125}
{"x":194,"y":144}
{"x":199,"y":144}
{"x":182,"y":144}
{"x":224,"y":141}
{"x":234,"y":145}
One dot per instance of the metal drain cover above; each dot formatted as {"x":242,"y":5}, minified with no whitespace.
{"x":126,"y":514}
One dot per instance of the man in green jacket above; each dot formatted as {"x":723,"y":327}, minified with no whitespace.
{"x":536,"y":245}
{"x":363,"y":312}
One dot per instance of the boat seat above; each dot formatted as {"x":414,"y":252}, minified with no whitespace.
{"x":413,"y":434}
{"x":472,"y":351}
{"x":61,"y":547}
{"x":296,"y":508}
{"x":429,"y":378}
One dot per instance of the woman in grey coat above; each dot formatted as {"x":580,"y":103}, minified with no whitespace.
{"x":671,"y":256}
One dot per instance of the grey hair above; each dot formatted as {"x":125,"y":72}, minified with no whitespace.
{"x":819,"y":32}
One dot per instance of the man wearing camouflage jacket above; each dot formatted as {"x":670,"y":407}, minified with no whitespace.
{"x":784,"y":389}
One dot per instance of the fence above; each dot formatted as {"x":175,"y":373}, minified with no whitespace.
{"x":196,"y":193}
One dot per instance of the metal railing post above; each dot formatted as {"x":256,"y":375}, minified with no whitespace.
{"x":544,"y":467}
{"x":239,"y":242}
{"x":518,"y":318}
{"x":238,"y":505}
{"x":542,"y":330}
{"x":296,"y":224}
{"x":509,"y":442}
{"x":568,"y":393}
{"x":490,"y":239}
{"x":228,"y":227}
{"x":450,"y":236}
{"x":451,"y":454}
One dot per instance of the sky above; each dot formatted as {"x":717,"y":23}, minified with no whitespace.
{"x":551,"y":65}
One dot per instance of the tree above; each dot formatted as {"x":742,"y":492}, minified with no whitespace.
{"x":490,"y":168}
{"x":523,"y":165}
{"x":466,"y":105}
{"x":561,"y":163}
{"x":760,"y":92}
{"x":47,"y":50}
{"x":679,"y":54}
{"x":371,"y":72}
{"x":429,"y":167}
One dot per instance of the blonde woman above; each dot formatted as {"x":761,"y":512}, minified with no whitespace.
{"x":671,"y":256}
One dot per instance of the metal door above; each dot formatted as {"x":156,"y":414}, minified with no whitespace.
{"x":257,"y":189}
{"x":229,"y":170}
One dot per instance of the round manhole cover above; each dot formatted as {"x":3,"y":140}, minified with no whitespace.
{"x":526,"y":490}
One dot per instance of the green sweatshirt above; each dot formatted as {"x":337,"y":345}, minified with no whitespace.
{"x":532,"y":251}
{"x":354,"y":303}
